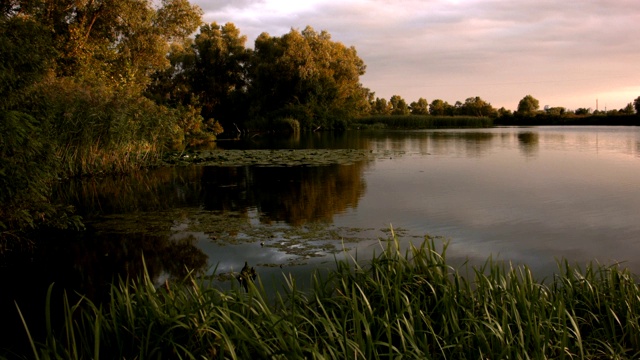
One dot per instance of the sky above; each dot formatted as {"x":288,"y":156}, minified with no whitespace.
{"x":569,"y":53}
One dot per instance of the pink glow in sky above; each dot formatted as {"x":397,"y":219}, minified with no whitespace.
{"x":564,"y":53}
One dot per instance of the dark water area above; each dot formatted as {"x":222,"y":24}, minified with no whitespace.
{"x":524,"y":195}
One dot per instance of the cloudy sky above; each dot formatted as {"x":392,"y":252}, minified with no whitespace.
{"x":563,"y":52}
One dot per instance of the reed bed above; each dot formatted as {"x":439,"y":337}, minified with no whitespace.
{"x":416,"y":122}
{"x":398,"y":305}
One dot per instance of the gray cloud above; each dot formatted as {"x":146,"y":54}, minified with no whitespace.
{"x":565,"y":53}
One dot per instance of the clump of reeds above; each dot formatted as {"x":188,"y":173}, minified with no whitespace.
{"x":410,"y":305}
{"x":414,"y":122}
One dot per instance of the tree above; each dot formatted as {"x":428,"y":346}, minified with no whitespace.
{"x":307,"y":76}
{"x":439,"y":107}
{"x":503,"y":112}
{"x":119,"y":39}
{"x":27,"y":159}
{"x":528,"y":106}
{"x":398,"y":105}
{"x":421,"y":107}
{"x":72,"y":77}
{"x":582,"y":111}
{"x":475,"y":106}
{"x":555,"y":111}
{"x":219,"y":76}
{"x":636,"y":104}
{"x":629,"y":109}
{"x":380,"y":107}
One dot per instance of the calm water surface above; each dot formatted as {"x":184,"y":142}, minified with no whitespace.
{"x":526,"y":195}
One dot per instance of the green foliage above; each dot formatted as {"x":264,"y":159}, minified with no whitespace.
{"x":219,"y":77}
{"x":440,"y":108}
{"x":100,"y":127}
{"x":27,"y":51}
{"x":72,"y":76}
{"x":528,"y":106}
{"x":26,"y":164}
{"x":380,"y":107}
{"x":307,"y":76}
{"x":475,"y":106}
{"x":636,"y":104}
{"x":27,"y":159}
{"x":398,"y":105}
{"x":411,"y":305}
{"x":421,"y":107}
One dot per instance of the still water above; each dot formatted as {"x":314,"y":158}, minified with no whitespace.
{"x":525,"y":195}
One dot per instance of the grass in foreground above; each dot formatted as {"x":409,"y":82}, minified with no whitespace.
{"x":410,"y":305}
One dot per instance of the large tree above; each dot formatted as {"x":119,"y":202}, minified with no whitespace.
{"x":636,"y":104}
{"x":307,"y":76}
{"x":528,"y":106}
{"x":219,"y":76}
{"x":475,"y":106}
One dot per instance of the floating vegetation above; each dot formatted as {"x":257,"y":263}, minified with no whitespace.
{"x":227,"y":228}
{"x":280,"y":158}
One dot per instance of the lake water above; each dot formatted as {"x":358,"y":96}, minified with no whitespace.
{"x":524,"y":195}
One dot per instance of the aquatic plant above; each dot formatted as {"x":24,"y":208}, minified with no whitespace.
{"x":399,"y":304}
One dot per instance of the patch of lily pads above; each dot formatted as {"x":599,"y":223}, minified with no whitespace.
{"x":223,"y":228}
{"x":280,"y":158}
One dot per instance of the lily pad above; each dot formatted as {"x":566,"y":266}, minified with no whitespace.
{"x":282,"y":158}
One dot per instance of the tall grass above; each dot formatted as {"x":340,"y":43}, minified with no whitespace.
{"x":102,"y":126}
{"x":413,"y":122}
{"x":410,"y":305}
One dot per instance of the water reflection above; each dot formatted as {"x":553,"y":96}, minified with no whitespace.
{"x":149,"y":208}
{"x":529,"y":142}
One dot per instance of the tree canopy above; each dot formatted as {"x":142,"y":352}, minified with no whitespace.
{"x":528,"y":105}
{"x":307,"y":76}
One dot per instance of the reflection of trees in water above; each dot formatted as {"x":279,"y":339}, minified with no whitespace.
{"x":529,"y":143}
{"x":86,"y":264}
{"x":292,"y":194}
{"x":132,"y":215}
{"x":102,"y":257}
{"x":467,"y":143}
{"x":298,"y":195}
{"x":156,"y":189}
{"x":118,"y":236}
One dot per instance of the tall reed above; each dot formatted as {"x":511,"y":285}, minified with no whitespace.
{"x":399,"y":304}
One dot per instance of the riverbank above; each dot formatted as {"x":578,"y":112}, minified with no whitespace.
{"x":409,"y":304}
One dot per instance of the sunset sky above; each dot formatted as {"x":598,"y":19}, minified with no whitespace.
{"x":563,"y":52}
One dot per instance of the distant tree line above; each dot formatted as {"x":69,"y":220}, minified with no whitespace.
{"x":528,"y":107}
